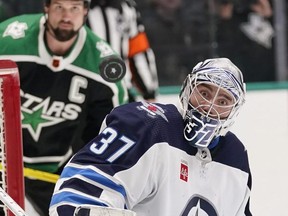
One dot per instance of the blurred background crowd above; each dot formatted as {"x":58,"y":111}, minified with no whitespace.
{"x":252,"y":33}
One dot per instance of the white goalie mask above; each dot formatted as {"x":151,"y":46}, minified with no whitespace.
{"x":210,"y":99}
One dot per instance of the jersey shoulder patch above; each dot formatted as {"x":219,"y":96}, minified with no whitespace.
{"x":21,"y":31}
{"x":151,"y":122}
{"x":146,"y":112}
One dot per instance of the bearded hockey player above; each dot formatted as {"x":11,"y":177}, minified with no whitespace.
{"x":156,"y":160}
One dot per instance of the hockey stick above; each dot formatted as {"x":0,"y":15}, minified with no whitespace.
{"x":40,"y":175}
{"x":11,"y":204}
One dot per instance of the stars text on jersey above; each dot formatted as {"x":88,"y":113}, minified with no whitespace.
{"x":38,"y":113}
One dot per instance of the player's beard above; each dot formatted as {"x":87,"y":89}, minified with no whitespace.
{"x":61,"y":34}
{"x":64,"y":35}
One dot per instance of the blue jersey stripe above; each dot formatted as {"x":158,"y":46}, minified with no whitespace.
{"x":74,"y":198}
{"x":93,"y":176}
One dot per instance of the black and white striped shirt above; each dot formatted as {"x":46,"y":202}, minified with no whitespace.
{"x":118,"y":22}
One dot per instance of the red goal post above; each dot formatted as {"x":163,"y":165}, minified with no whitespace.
{"x":11,"y":149}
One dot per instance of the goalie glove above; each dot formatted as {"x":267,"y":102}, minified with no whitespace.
{"x":91,"y":210}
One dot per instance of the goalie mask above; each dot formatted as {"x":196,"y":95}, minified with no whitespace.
{"x":210,"y":98}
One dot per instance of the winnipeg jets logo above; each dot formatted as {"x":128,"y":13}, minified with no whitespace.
{"x":199,"y":206}
{"x":16,"y":30}
{"x":152,"y":110}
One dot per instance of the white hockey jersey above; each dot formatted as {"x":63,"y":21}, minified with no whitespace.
{"x":142,"y":162}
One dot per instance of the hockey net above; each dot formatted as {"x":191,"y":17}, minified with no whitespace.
{"x":11,"y":153}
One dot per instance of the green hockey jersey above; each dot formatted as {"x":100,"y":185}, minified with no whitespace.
{"x":63,"y":98}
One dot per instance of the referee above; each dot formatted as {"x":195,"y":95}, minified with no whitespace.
{"x":119,"y":23}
